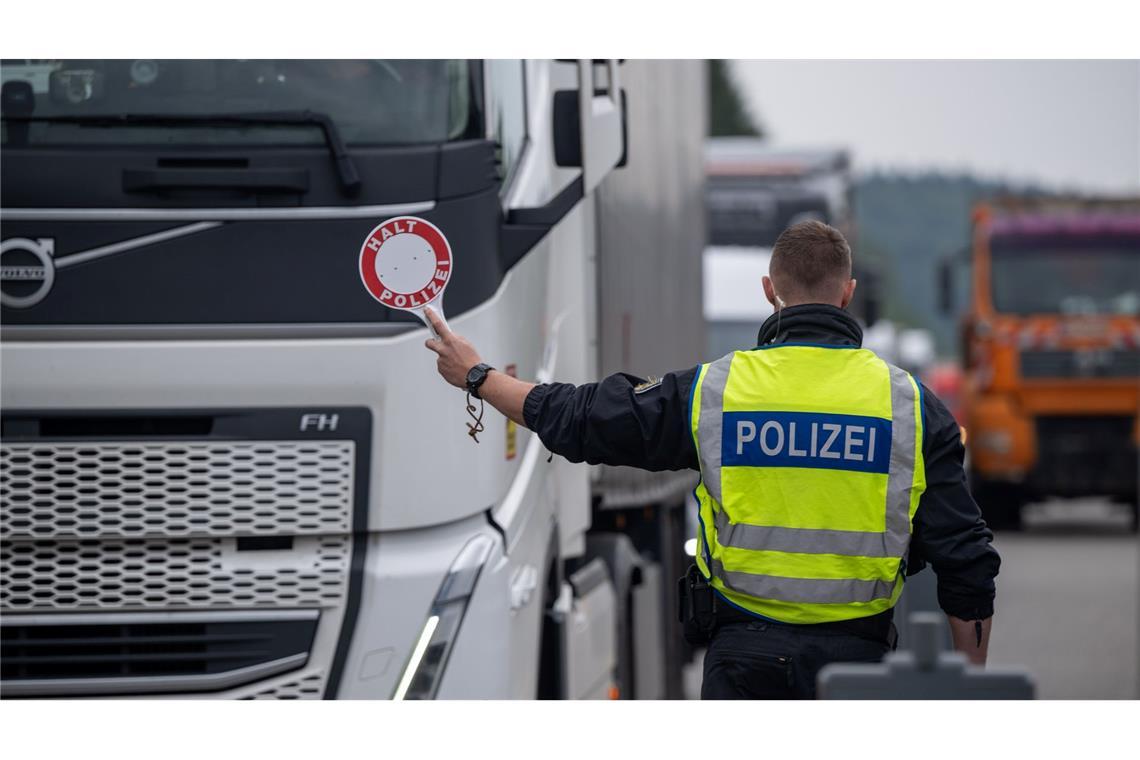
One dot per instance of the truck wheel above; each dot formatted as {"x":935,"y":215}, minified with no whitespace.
{"x":1000,"y":502}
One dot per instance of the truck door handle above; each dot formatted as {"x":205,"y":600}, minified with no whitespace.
{"x":258,"y":180}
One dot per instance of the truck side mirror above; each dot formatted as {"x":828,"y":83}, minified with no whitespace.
{"x":590,"y":124}
{"x":946,"y":286}
{"x":17,"y":100}
{"x":590,"y":133}
{"x":568,"y":131}
{"x":872,"y":310}
{"x":869,"y":294}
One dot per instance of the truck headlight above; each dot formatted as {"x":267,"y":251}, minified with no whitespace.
{"x":424,"y":670}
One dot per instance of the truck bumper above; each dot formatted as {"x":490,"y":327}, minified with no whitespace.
{"x":1053,"y":452}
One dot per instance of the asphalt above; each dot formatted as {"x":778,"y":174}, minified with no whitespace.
{"x":1068,"y":603}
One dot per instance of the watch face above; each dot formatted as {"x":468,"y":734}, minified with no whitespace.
{"x":473,"y":374}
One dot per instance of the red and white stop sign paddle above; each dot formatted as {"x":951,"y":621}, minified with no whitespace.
{"x":405,"y":263}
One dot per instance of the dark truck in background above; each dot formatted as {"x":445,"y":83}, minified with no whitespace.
{"x":755,"y":191}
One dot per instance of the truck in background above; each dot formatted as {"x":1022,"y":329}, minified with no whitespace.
{"x":228,"y":472}
{"x":755,"y":191}
{"x":1051,"y":352}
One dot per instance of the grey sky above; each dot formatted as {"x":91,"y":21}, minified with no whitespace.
{"x":1065,"y":124}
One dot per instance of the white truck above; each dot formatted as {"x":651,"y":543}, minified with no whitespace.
{"x":754,"y":192}
{"x":228,"y":472}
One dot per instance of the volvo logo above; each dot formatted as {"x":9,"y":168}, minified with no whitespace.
{"x":27,"y":271}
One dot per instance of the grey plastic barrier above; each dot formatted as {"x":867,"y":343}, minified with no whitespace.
{"x":925,"y":671}
{"x":920,"y":594}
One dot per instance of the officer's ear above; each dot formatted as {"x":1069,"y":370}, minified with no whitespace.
{"x":848,"y":293}
{"x":769,"y":290}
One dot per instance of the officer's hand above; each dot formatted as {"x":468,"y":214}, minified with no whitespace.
{"x":456,"y":354}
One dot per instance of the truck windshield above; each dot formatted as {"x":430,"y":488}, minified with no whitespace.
{"x":372,"y":102}
{"x":1075,"y":277}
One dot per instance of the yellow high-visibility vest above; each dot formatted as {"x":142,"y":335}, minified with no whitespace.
{"x":811,"y":472}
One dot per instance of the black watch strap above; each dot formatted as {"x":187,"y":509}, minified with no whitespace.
{"x":476,"y":376}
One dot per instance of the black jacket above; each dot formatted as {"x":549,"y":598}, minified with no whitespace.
{"x":622,"y":420}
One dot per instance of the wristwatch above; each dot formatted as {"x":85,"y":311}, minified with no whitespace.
{"x":475,"y":378}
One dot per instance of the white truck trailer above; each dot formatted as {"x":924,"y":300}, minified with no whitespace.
{"x":228,"y":472}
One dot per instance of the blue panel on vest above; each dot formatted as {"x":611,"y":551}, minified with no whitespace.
{"x":806,"y":439}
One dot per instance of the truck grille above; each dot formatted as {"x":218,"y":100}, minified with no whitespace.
{"x":201,"y":573}
{"x":131,"y":654}
{"x":1079,"y":456}
{"x":308,"y":687}
{"x":134,"y":548}
{"x":1096,"y":363}
{"x":190,"y":489}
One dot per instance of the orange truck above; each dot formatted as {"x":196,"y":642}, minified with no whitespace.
{"x":1051,"y":354}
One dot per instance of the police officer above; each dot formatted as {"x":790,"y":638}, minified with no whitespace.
{"x":827,"y":476}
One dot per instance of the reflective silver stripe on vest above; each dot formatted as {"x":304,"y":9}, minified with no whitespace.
{"x":804,"y":590}
{"x":710,"y":426}
{"x":900,"y":476}
{"x":851,"y":543}
{"x":893,"y":542}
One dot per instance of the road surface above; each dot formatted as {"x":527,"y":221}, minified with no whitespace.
{"x":1067,"y":604}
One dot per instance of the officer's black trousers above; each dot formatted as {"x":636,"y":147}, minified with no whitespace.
{"x":759,"y":660}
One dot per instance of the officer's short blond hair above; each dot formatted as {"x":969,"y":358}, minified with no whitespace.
{"x":811,"y":262}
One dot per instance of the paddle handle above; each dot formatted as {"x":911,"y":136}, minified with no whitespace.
{"x":438,"y":309}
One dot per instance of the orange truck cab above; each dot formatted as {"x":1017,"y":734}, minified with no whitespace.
{"x":1051,"y":353}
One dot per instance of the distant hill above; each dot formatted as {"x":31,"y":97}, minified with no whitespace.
{"x":905,"y":224}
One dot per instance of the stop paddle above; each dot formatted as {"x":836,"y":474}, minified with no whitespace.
{"x":405,"y":264}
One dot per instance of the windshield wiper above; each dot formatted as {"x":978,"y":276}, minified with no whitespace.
{"x":345,"y":168}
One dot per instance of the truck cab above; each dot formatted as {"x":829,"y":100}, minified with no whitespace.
{"x":755,"y":191}
{"x":228,"y":471}
{"x":1051,"y":348}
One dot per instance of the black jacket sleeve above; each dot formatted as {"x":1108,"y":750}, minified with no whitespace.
{"x":621,"y":420}
{"x":949,"y":531}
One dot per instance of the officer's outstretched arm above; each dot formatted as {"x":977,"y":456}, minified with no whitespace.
{"x":457,"y":356}
{"x":620,"y":420}
{"x":507,"y":394}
